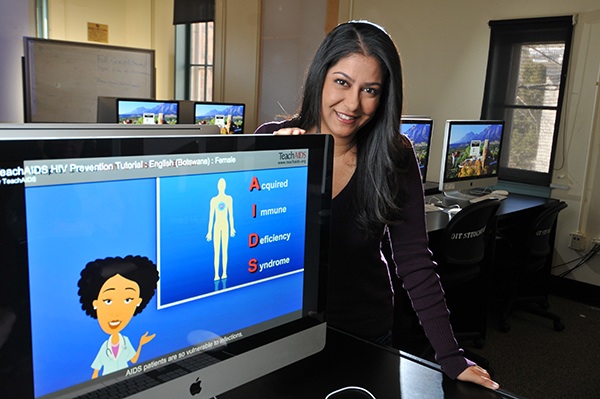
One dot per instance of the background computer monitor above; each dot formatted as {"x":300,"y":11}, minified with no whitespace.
{"x":134,"y":111}
{"x":71,"y":195}
{"x":147,"y":112}
{"x":419,"y":130}
{"x":470,"y":158}
{"x":228,"y":116}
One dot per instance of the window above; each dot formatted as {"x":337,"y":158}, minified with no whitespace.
{"x":194,"y":61}
{"x":525,"y":84}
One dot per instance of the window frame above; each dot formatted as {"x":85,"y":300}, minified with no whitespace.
{"x":184,"y":65}
{"x":506,"y":41}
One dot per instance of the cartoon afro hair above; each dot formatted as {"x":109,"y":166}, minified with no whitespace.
{"x":136,"y":268}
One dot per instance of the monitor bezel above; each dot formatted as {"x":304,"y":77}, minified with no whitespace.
{"x":421,"y":120}
{"x":310,"y":330}
{"x":472,"y":182}
{"x":50,"y":131}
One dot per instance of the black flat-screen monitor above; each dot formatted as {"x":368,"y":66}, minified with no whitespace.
{"x":228,"y":116}
{"x":419,"y":130}
{"x":138,"y":111}
{"x":470,"y":158}
{"x":151,"y":263}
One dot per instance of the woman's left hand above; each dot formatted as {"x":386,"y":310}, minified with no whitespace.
{"x":479,"y":376}
{"x":293,"y":131}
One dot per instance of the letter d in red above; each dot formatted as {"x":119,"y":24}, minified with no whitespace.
{"x":252,"y":240}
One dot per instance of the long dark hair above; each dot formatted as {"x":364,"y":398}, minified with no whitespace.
{"x":382,"y":152}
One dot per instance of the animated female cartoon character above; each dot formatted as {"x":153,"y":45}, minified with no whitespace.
{"x":113,"y":290}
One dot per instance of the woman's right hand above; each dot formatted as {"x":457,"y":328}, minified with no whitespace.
{"x":290,"y":131}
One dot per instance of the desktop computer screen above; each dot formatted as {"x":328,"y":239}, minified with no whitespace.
{"x":471,"y":155}
{"x":228,"y":116}
{"x":151,"y":264}
{"x":142,"y":111}
{"x":419,"y":130}
{"x":147,"y":112}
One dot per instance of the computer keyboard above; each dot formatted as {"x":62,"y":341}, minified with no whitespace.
{"x":499,"y":195}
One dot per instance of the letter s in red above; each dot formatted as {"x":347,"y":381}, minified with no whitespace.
{"x":252,"y":265}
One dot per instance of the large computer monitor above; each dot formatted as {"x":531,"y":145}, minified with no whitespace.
{"x":208,"y":254}
{"x":470,"y":158}
{"x":228,"y":116}
{"x":419,"y":130}
{"x":142,"y":111}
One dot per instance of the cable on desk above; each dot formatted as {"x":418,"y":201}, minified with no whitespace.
{"x":435,"y":201}
{"x":349,"y":388}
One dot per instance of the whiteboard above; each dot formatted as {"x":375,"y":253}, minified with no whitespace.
{"x":64,"y":79}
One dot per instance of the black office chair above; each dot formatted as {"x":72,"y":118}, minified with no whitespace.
{"x":463,"y":254}
{"x":458,"y":263}
{"x":523,"y":268}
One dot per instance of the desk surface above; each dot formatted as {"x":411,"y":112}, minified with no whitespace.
{"x":349,"y":361}
{"x":514,"y":206}
{"x":385,"y":372}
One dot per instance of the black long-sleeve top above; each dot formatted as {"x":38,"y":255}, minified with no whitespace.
{"x":360,"y":292}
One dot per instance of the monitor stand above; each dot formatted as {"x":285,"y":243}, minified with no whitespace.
{"x":431,"y":187}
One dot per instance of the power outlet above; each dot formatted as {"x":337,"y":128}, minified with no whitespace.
{"x":577,"y":242}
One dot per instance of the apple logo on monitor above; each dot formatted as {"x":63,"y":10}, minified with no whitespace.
{"x":195,"y":388}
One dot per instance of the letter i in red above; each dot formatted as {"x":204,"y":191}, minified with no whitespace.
{"x":253,"y":210}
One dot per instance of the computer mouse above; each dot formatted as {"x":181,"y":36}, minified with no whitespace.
{"x":500,"y":192}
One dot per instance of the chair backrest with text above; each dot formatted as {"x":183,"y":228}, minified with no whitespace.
{"x":466,"y":248}
{"x":540,"y":234}
{"x":467,"y":234}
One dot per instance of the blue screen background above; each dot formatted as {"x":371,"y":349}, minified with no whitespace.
{"x":71,"y":225}
{"x":186,"y":259}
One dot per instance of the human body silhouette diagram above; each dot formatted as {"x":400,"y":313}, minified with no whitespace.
{"x":220,"y":227}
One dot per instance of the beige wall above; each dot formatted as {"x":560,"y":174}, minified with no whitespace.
{"x":291,"y":32}
{"x":131,"y":23}
{"x":149,"y":24}
{"x":236,"y":64}
{"x":162,"y":41}
{"x":16,"y":21}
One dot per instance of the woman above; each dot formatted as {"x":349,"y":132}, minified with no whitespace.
{"x":353,"y":91}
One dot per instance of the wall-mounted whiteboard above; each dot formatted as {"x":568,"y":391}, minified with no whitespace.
{"x":63,"y":80}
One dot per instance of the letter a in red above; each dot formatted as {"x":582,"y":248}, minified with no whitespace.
{"x":254,"y":184}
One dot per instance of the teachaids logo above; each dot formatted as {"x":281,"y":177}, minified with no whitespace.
{"x":294,"y":157}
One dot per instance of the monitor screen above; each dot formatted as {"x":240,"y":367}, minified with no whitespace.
{"x":178,"y":264}
{"x":147,"y":112}
{"x":228,"y":116}
{"x":471,"y":154}
{"x":419,"y":130}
